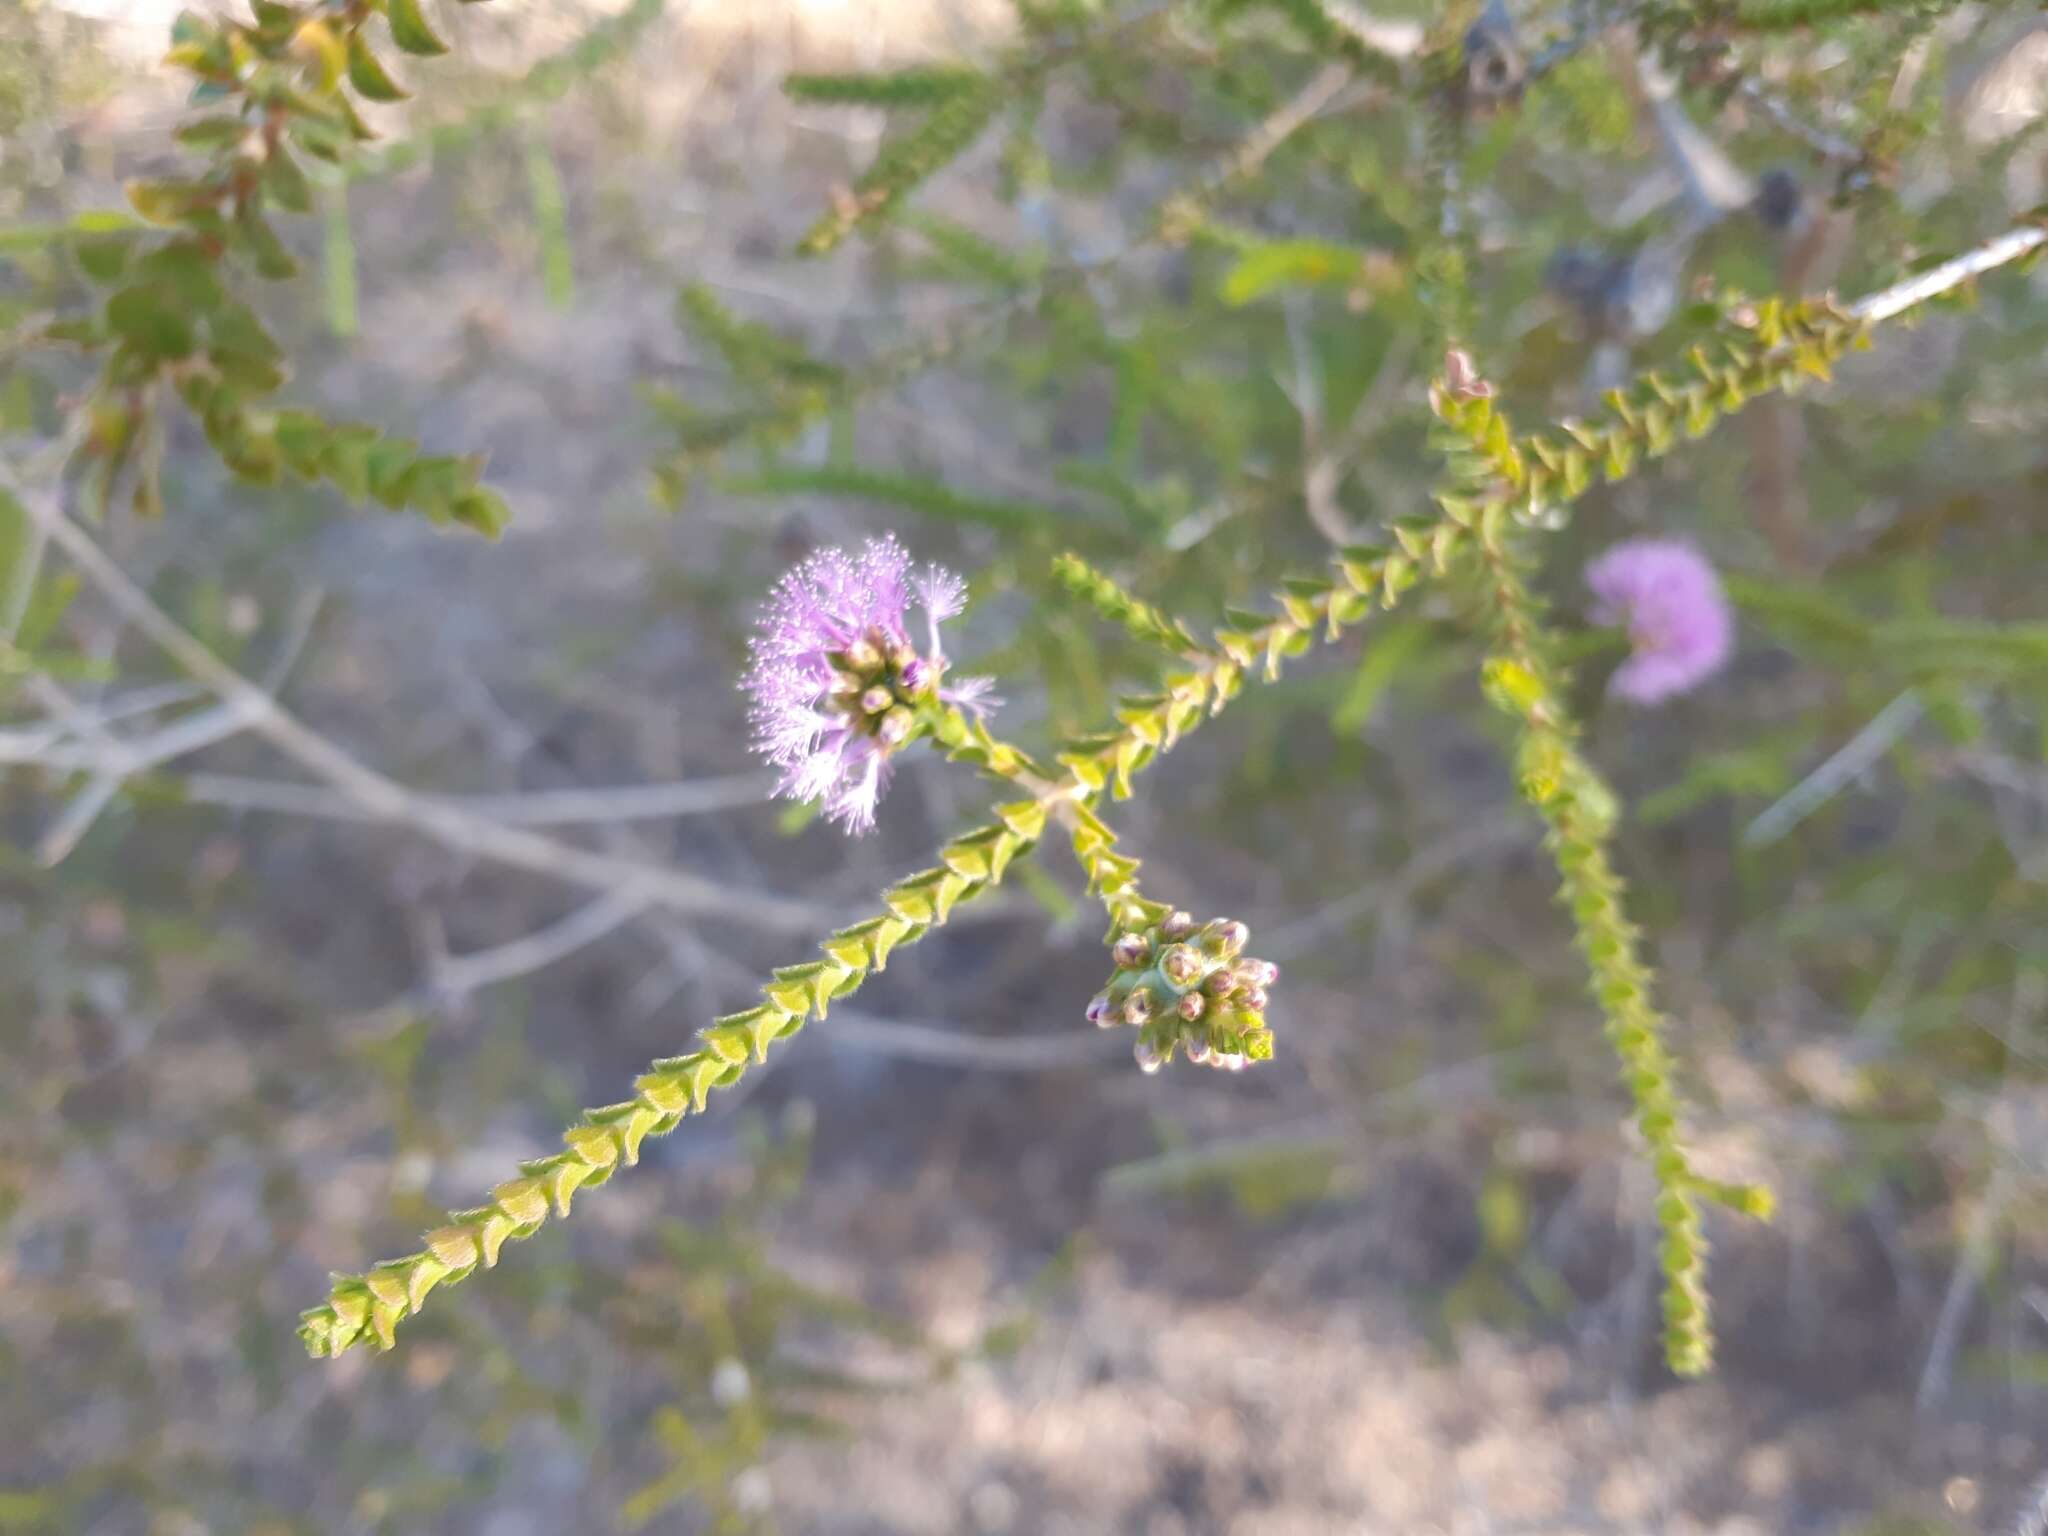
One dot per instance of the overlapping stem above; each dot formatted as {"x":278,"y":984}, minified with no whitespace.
{"x":1580,"y":811}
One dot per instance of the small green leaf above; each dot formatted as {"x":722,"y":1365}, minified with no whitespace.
{"x":47,"y":602}
{"x":368,"y":75}
{"x":432,"y":484}
{"x":316,"y":43}
{"x":191,"y":27}
{"x":259,"y":241}
{"x":149,"y":318}
{"x":482,"y":509}
{"x":212,"y":132}
{"x":409,"y":29}
{"x":254,"y":456}
{"x":346,"y":460}
{"x":20,"y":560}
{"x":390,"y":462}
{"x":302,"y":438}
{"x":103,"y":258}
{"x":284,"y":181}
{"x":166,"y":202}
{"x":243,"y":352}
{"x":1299,"y":263}
{"x":184,"y":267}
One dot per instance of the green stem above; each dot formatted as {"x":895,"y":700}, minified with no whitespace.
{"x":551,"y":222}
{"x":1580,"y":811}
{"x":338,"y":262}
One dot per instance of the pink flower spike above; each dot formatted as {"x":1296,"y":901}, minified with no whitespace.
{"x":1681,"y":630}
{"x":836,"y":677}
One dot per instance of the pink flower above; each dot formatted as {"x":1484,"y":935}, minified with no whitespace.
{"x":837,"y":679}
{"x":1679,"y":624}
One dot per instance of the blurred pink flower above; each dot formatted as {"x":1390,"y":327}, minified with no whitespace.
{"x":1679,"y":625}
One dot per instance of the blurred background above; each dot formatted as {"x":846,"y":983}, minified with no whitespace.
{"x":949,"y":1263}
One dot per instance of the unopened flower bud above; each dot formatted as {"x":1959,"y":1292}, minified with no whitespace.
{"x":1260,"y":973}
{"x":902,"y":655}
{"x":1225,"y":938}
{"x":845,"y":684}
{"x":1192,"y":1006}
{"x":1181,"y":967}
{"x":1102,"y":1010}
{"x":1220,"y":983}
{"x":1199,"y":1052}
{"x":1138,"y":1007}
{"x":896,"y":726}
{"x":1233,"y":1061}
{"x":1148,"y":1058}
{"x":1253,"y":1000}
{"x":876,"y":699}
{"x":1131,"y":951}
{"x":1176,"y":926}
{"x":918,"y":675}
{"x":863,"y":655}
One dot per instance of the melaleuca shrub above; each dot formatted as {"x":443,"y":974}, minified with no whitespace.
{"x":1387,"y":332}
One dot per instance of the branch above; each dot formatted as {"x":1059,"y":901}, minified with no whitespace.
{"x":382,"y":798}
{"x":459,"y":975}
{"x":1950,"y":275}
{"x":115,"y":760}
{"x":1863,"y":750}
{"x":601,"y":805}
{"x":948,"y":1047}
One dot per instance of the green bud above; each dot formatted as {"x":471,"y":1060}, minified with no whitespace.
{"x":1131,"y":951}
{"x":1181,"y":967}
{"x":896,"y":726}
{"x":1192,"y":1006}
{"x":1225,"y":938}
{"x":876,"y":699}
{"x":1176,"y":926}
{"x":864,"y":655}
{"x":1138,"y":1007}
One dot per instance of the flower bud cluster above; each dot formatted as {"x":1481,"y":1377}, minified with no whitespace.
{"x":1187,"y":987}
{"x":876,"y":684}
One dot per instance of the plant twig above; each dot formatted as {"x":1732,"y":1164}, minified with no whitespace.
{"x":384,"y":798}
{"x":456,"y":976}
{"x":1950,"y":275}
{"x":948,"y":1047}
{"x":1971,"y":1264}
{"x":1825,"y":782}
{"x":600,"y":805}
